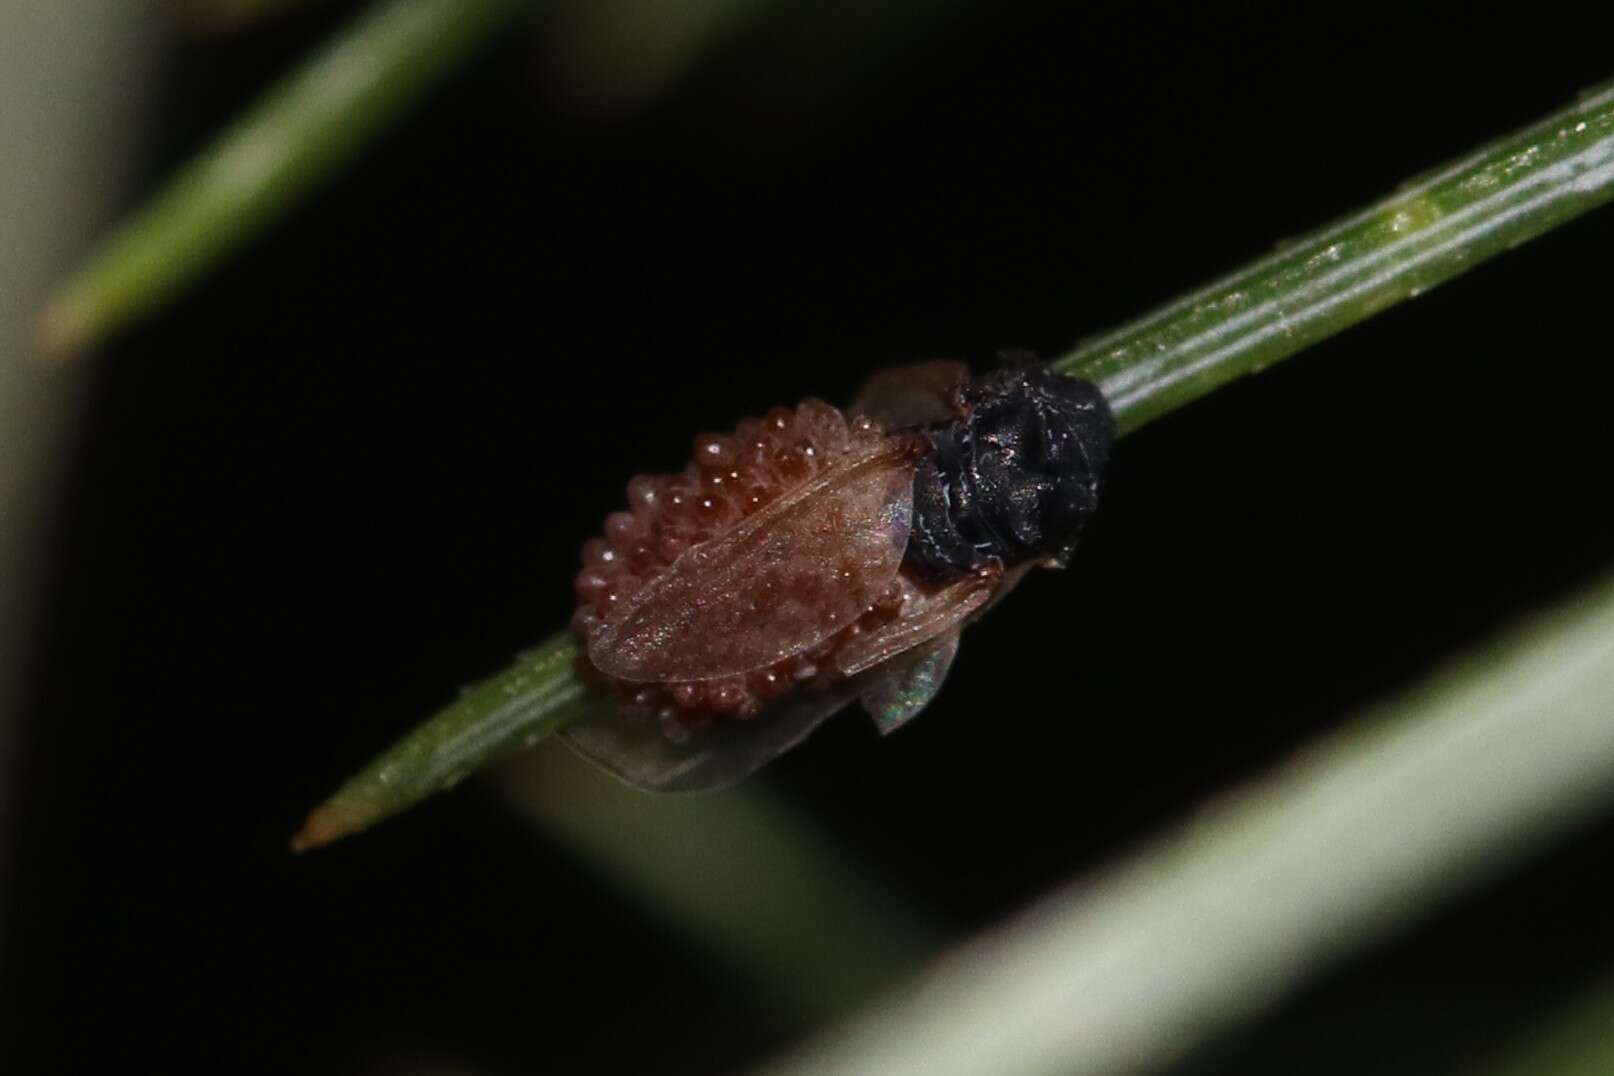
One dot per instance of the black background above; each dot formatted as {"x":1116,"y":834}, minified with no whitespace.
{"x":351,"y":470}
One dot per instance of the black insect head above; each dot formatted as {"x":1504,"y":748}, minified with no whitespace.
{"x":1015,"y":477}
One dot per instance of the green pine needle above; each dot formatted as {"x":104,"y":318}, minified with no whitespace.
{"x":1504,"y":194}
{"x":299,"y":135}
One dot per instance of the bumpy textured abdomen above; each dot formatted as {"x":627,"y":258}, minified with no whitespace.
{"x":732,"y":478}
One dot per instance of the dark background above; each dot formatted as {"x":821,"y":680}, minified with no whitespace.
{"x":351,"y":471}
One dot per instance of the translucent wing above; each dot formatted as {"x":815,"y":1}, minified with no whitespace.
{"x":634,"y":748}
{"x":894,"y":671}
{"x":916,"y":394}
{"x":898,"y":695}
{"x":777,"y":583}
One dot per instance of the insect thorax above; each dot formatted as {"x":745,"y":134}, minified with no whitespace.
{"x":1013,"y":479}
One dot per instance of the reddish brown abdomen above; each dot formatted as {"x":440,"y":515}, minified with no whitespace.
{"x":733,"y":478}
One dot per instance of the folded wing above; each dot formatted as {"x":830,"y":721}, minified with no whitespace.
{"x":776,"y":584}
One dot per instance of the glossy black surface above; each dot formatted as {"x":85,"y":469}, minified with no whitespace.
{"x":1015,"y":479}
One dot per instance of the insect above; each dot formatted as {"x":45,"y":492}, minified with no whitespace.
{"x":809,"y":560}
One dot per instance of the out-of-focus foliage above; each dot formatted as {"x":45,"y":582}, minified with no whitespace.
{"x":319,"y":119}
{"x":1363,"y":833}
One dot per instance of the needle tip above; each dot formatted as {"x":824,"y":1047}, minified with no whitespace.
{"x":322,"y":826}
